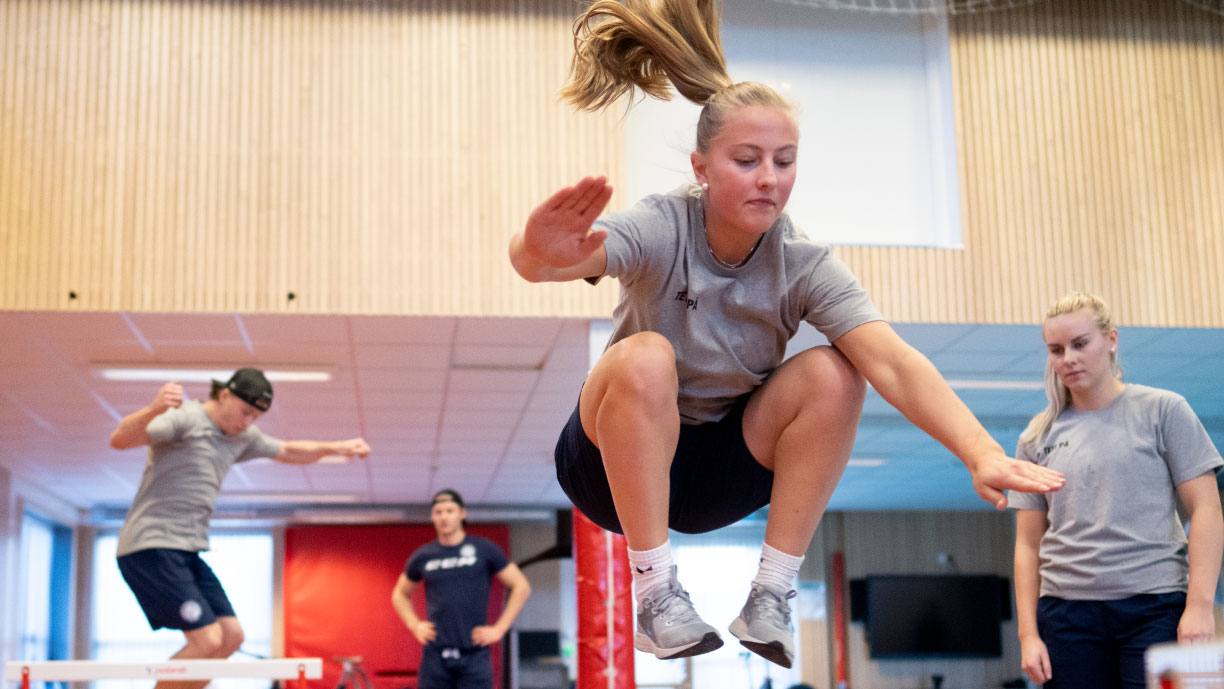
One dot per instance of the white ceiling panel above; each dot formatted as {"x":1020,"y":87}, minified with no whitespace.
{"x":487,"y":428}
{"x":507,"y":331}
{"x":278,"y":330}
{"x":404,"y":356}
{"x":399,"y":330}
{"x":495,"y":356}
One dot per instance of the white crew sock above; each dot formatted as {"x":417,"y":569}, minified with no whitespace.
{"x":651,"y":569}
{"x":778,"y":570}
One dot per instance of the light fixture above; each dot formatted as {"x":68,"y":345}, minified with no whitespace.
{"x":865,"y":462}
{"x":996,"y":384}
{"x":252,"y":498}
{"x":187,"y":373}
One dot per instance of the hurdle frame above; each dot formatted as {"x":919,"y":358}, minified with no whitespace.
{"x":164,"y":670}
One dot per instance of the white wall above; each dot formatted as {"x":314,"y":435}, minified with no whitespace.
{"x":877,"y":162}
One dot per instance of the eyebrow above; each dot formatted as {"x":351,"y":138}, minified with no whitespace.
{"x":754,"y":147}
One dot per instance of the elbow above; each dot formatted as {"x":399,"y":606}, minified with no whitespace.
{"x":117,"y":443}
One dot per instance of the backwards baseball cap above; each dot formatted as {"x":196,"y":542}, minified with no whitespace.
{"x":447,"y":495}
{"x":251,"y":386}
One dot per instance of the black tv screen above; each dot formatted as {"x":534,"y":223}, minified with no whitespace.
{"x":913,"y":616}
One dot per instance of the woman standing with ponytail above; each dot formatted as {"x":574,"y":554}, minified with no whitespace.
{"x":1101,"y":566}
{"x":690,"y":419}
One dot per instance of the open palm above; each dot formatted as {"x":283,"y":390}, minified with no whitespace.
{"x":558,"y":231}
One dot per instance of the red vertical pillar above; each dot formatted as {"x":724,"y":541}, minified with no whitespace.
{"x":605,"y":608}
{"x":841,"y":675}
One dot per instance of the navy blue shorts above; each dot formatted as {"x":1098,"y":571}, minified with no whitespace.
{"x":1100,"y":643}
{"x":175,"y":588}
{"x":715,"y":480}
{"x":453,"y":668}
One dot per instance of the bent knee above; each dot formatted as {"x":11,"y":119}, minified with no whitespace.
{"x":828,"y":370}
{"x":205,"y":642}
{"x":231,"y":643}
{"x":644,"y":363}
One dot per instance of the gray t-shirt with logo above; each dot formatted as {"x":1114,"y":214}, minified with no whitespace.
{"x":1113,"y":528}
{"x":729,"y":326}
{"x":188,"y":459}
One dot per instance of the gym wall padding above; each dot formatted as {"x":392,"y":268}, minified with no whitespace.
{"x":337,"y":598}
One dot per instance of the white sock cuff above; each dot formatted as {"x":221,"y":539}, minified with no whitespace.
{"x":652,"y":554}
{"x":771,"y":553}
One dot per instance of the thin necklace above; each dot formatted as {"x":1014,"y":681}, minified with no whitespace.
{"x":737,"y":264}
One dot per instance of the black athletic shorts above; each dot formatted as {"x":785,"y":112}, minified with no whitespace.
{"x":175,"y":588}
{"x":715,"y":480}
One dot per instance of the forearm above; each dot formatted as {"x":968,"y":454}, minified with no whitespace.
{"x":1028,"y":587}
{"x":131,"y":431}
{"x":403,"y":608}
{"x":1206,"y":547}
{"x":305,"y":451}
{"x":913,"y":385}
{"x":514,"y":605}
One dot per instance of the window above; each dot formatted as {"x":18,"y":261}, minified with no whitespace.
{"x":46,"y":559}
{"x":243,"y":563}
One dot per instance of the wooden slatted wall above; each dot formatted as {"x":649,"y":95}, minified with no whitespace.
{"x":373,"y":157}
{"x":367,"y":156}
{"x":1091,"y":152}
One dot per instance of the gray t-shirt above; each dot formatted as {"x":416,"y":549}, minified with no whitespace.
{"x":1113,"y":528}
{"x":188,"y":459}
{"x":729,"y":326}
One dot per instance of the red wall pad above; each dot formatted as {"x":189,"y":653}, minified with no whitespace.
{"x":605,"y":608}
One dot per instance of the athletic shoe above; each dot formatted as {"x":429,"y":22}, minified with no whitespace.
{"x":764,"y":627}
{"x":668,"y":626}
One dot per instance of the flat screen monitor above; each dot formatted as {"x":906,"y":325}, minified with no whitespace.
{"x":951,"y":616}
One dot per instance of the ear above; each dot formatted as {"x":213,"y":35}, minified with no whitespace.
{"x":698,"y":162}
{"x":1113,"y":339}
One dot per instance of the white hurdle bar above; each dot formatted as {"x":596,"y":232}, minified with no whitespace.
{"x":170,"y":670}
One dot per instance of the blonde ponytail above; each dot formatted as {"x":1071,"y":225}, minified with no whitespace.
{"x":654,"y":46}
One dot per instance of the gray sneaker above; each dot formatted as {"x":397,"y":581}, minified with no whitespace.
{"x":764,"y":627}
{"x":668,"y":627}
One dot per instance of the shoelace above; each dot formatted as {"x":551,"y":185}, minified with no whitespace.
{"x":768,"y":605}
{"x":669,"y":598}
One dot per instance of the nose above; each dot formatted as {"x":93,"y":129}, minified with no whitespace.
{"x":768,"y":176}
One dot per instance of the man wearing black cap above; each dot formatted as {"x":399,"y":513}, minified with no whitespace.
{"x":457,"y":570}
{"x":192,"y":446}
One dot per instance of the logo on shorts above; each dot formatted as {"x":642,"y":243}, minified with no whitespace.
{"x":190,"y":611}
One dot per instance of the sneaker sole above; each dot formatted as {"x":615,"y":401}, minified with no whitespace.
{"x":773,"y":651}
{"x":710,"y":642}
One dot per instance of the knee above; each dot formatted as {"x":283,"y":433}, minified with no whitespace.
{"x":643,"y":365}
{"x":205,"y":642}
{"x":231,"y":641}
{"x":829,"y":371}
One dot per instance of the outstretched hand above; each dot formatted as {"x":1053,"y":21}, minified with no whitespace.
{"x":354,"y":447}
{"x":994,"y":475}
{"x":558,"y":232}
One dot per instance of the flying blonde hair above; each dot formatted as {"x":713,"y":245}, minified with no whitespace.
{"x":655,"y":45}
{"x":1057,"y":394}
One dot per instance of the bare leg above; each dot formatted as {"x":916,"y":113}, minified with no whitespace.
{"x":217,"y":640}
{"x":629,"y":411}
{"x":801,"y":424}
